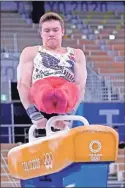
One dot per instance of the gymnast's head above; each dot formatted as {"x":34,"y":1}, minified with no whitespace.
{"x":51,"y":27}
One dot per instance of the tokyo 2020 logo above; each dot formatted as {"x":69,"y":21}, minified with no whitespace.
{"x":98,"y":146}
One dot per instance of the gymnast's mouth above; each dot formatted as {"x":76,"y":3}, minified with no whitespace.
{"x":52,"y":39}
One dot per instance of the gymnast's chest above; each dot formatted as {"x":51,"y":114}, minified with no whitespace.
{"x":53,"y":63}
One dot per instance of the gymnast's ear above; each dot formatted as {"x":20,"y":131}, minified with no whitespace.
{"x":63,"y":31}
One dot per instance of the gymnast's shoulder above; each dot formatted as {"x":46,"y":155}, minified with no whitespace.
{"x":29,"y":52}
{"x":79,"y":53}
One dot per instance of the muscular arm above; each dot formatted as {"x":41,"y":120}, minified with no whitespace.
{"x":80,"y":72}
{"x":24,"y":75}
{"x":24,"y":82}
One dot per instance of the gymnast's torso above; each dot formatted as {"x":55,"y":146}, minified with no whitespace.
{"x":48,"y":63}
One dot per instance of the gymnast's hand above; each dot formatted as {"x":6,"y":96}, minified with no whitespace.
{"x":60,"y":125}
{"x":41,"y":123}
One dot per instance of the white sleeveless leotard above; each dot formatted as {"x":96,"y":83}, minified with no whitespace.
{"x":47,"y":63}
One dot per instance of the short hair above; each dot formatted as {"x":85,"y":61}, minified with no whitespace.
{"x":51,"y":16}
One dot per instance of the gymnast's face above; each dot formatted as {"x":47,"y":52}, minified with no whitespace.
{"x":52,"y":33}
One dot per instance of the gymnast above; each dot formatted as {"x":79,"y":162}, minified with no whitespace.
{"x":51,"y":79}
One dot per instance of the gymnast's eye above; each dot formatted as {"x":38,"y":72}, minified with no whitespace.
{"x":46,"y":30}
{"x":55,"y":30}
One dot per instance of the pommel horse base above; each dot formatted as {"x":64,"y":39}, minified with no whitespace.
{"x":77,"y":157}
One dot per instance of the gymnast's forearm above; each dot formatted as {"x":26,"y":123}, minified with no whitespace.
{"x":80,"y":99}
{"x":81,"y":92}
{"x":23,"y":91}
{"x":33,"y":113}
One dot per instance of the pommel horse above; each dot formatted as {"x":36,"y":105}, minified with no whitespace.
{"x":76,"y":157}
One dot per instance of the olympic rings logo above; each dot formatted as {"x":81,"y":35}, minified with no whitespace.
{"x":48,"y":160}
{"x":99,"y":146}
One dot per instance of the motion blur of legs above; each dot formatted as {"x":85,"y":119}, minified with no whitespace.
{"x":97,"y":28}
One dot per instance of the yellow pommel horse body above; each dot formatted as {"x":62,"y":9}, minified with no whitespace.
{"x":72,"y":156}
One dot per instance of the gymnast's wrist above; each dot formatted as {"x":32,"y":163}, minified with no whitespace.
{"x":33,"y":113}
{"x":72,"y":112}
